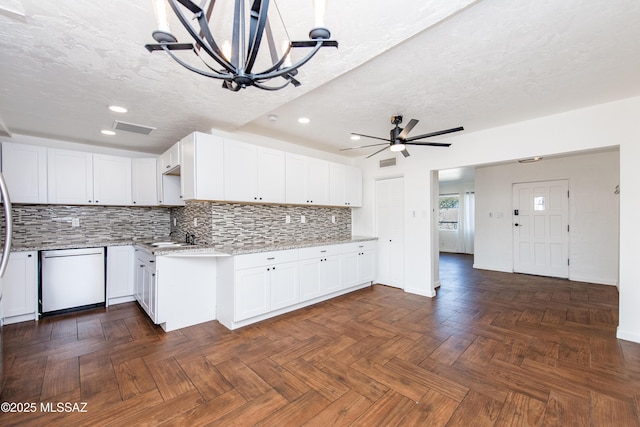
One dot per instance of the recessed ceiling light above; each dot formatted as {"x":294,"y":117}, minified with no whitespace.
{"x":355,"y":137}
{"x":117,"y":109}
{"x":272,"y":117}
{"x":304,"y":120}
{"x":107,"y":132}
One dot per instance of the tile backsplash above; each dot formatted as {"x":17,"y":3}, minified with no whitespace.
{"x":217,"y":224}
{"x":220,"y":223}
{"x":50,"y":225}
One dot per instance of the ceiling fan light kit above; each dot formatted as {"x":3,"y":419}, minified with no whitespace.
{"x":250,"y":31}
{"x":398,"y":138}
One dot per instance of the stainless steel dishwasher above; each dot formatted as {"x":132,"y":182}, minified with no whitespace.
{"x":72,"y":278}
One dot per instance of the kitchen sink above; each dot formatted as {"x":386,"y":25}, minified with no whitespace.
{"x":168,"y":244}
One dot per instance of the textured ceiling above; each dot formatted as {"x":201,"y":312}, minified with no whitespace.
{"x":448,"y":63}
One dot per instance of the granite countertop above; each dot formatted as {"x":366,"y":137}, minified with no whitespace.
{"x":196,"y":250}
{"x":222,"y":250}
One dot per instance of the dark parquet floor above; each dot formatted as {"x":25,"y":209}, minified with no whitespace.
{"x":492,"y":349}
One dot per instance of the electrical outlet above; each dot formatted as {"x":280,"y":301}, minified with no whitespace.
{"x":195,"y":222}
{"x":75,"y":222}
{"x":303,"y":219}
{"x":287,"y":219}
{"x":333,"y":219}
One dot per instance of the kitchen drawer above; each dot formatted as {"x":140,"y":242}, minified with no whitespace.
{"x":359,"y":246}
{"x":145,"y":257}
{"x":265,"y":258}
{"x":320,"y":251}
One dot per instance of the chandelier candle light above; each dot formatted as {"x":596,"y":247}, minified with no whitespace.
{"x":234,"y":63}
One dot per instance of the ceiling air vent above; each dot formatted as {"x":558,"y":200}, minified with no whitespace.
{"x":388,"y":162}
{"x":130,"y":127}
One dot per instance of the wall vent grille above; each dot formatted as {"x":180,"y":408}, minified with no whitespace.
{"x":131,"y":127}
{"x":385,"y":163}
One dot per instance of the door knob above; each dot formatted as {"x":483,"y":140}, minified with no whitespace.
{"x":516,"y":224}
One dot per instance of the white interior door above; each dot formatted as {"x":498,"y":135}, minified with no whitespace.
{"x":541,"y":228}
{"x":390,"y":231}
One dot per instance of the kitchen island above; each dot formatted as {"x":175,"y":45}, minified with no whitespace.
{"x":183,"y":285}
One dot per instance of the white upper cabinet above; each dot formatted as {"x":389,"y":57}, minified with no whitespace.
{"x":345,"y":185}
{"x":111,"y":180}
{"x":144,"y":182}
{"x":170,"y":159}
{"x":271,"y":175}
{"x":70,"y":177}
{"x":253,"y":174}
{"x":79,"y":178}
{"x":337,"y":173}
{"x":307,"y":180}
{"x":169,"y":182}
{"x":240,"y":171}
{"x":201,"y":167}
{"x":25,"y":169}
{"x":353,"y":186}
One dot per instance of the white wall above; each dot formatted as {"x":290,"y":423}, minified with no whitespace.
{"x":600,"y":126}
{"x":593,"y":213}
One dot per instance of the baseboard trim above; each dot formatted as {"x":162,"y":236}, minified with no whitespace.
{"x":429,"y":294}
{"x":592,"y":280}
{"x":627,"y":336}
{"x":492,"y":268}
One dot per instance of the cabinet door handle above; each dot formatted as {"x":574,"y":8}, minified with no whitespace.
{"x":323,"y":252}
{"x":271,"y":258}
{"x":151,"y":260}
{"x":29,"y":256}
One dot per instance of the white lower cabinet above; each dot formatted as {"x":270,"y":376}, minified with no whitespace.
{"x":358,"y":263}
{"x":265,"y":288}
{"x":254,"y":287}
{"x":319,"y":271}
{"x":252,"y":292}
{"x":176,"y":291}
{"x":283,"y":285}
{"x":145,"y":283}
{"x":20,"y":288}
{"x":120,"y":274}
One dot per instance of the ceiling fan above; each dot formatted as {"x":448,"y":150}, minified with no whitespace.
{"x":398,"y":137}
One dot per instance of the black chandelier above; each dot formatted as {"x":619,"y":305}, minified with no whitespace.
{"x":235,"y":63}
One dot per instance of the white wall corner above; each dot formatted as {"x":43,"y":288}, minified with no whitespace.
{"x":430,"y":293}
{"x":628,"y":335}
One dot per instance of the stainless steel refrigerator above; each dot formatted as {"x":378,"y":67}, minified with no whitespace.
{"x":6,"y":251}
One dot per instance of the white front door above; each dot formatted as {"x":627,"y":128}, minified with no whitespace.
{"x":390,"y":231}
{"x":541,"y":228}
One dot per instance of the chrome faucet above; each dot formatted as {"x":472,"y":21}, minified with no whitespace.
{"x":190,"y":239}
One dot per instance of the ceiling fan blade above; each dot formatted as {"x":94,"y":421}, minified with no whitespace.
{"x":379,"y":151}
{"x":369,"y":136}
{"x":408,"y":128}
{"x":433,"y":144}
{"x":405,"y":153}
{"x":363,"y":146}
{"x":440,"y":132}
